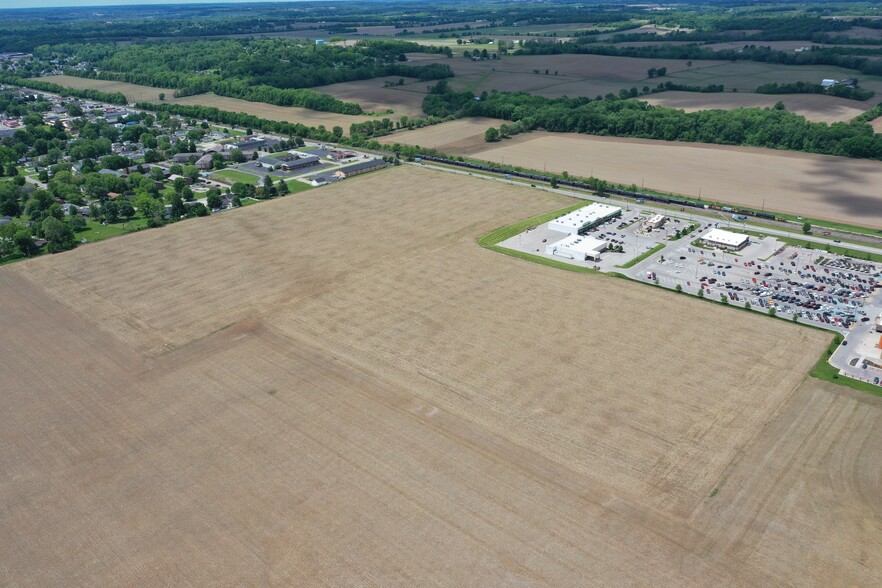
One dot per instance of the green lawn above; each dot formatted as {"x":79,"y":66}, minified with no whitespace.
{"x":229,"y":131}
{"x":824,"y":371}
{"x":237,"y":176}
{"x":98,"y":232}
{"x":295,"y":186}
{"x":491,"y":240}
{"x":643,"y":256}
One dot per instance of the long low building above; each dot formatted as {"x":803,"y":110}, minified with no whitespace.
{"x":577,"y":247}
{"x":726,"y":239}
{"x":359,"y":168}
{"x":584,"y":218}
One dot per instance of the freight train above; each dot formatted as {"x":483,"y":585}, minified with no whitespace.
{"x":585,"y":186}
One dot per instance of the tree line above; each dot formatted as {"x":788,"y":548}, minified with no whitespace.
{"x":773,"y":128}
{"x":116,"y":98}
{"x":839,"y":90}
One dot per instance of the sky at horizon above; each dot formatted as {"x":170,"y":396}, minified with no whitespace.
{"x":7,"y":4}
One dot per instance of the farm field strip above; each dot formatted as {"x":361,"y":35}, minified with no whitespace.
{"x":814,"y":107}
{"x":292,"y":114}
{"x":818,"y":186}
{"x":133,"y":92}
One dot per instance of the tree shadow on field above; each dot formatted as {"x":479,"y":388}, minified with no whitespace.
{"x":852,"y":192}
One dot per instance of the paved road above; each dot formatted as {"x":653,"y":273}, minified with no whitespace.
{"x":36,"y":182}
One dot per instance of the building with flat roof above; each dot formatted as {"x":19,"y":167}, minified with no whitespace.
{"x":655,"y":221}
{"x":577,"y":247}
{"x":584,"y":218}
{"x":359,"y":168}
{"x":726,"y":239}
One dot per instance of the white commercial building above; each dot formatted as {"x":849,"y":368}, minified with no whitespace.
{"x":584,"y":218}
{"x":655,"y":221}
{"x":726,"y":239}
{"x":577,"y":247}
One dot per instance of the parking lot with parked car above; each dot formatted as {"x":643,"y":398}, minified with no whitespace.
{"x":815,"y":286}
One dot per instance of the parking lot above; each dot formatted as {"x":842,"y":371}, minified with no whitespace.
{"x":817,"y":287}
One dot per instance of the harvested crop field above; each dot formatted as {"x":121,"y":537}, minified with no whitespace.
{"x":395,"y":406}
{"x":373,"y":96}
{"x":747,"y":76}
{"x":305,"y":116}
{"x":567,"y":75}
{"x":816,"y":186}
{"x":814,"y":107}
{"x":454,"y":136}
{"x":133,"y":92}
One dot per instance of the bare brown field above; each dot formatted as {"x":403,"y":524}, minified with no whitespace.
{"x":305,"y":116}
{"x":568,"y":75}
{"x":372,"y":96}
{"x":454,"y":136}
{"x":776,"y":45}
{"x":863,"y":33}
{"x":392,"y":30}
{"x":814,"y":107}
{"x":876,"y":123}
{"x":817,"y":186}
{"x":133,"y":92}
{"x":269,"y":394}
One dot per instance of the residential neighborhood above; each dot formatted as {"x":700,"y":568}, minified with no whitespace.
{"x":74,"y":171}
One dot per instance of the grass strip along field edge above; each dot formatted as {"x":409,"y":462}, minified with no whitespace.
{"x":643,"y":256}
{"x":491,"y":240}
{"x":822,"y":369}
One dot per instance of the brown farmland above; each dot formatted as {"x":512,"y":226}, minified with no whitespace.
{"x":373,"y":96}
{"x":450,"y":137}
{"x":814,"y":107}
{"x":134,"y":92}
{"x":816,"y":186}
{"x":305,"y":116}
{"x":345,"y":390}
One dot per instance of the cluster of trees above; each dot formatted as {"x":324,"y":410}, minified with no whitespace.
{"x":482,"y":54}
{"x":772,"y":128}
{"x":505,"y":131}
{"x":842,"y":91}
{"x":371,"y":128}
{"x":269,"y":189}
